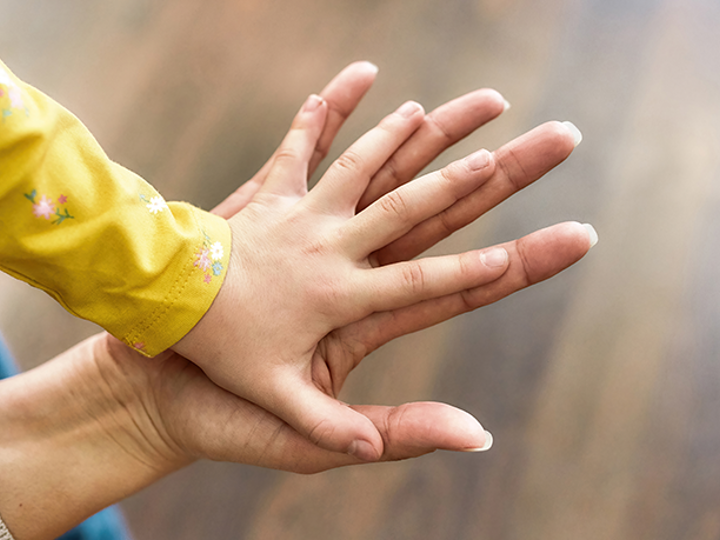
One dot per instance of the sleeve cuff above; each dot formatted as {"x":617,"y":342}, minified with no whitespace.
{"x":191,"y":293}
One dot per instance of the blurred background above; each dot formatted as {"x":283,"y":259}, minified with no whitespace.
{"x":601,"y":386}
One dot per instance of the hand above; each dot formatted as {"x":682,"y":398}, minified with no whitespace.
{"x":195,"y":418}
{"x":308,"y":297}
{"x":342,"y":95}
{"x":101,"y":422}
{"x":440,"y":129}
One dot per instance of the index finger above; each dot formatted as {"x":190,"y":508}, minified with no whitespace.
{"x":342,"y":94}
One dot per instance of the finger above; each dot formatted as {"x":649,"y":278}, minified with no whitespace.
{"x":407,"y":283}
{"x":532,"y":259}
{"x":347,"y":178}
{"x":326,"y":422}
{"x":289,"y":171}
{"x":399,"y":211}
{"x":440,"y":129}
{"x":342,"y":95}
{"x":517,"y":165}
{"x":415,"y":429}
{"x":239,"y":199}
{"x":257,"y":437}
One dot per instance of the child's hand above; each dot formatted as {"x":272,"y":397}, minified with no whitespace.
{"x":306,"y":299}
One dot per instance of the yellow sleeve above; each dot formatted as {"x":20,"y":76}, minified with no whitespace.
{"x":95,"y":236}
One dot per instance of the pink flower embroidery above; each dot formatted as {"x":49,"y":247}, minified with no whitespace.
{"x":139,"y":345}
{"x":45,"y":208}
{"x":208,"y":278}
{"x":203,"y":259}
{"x":62,"y":199}
{"x":2,"y":92}
{"x":16,"y":98}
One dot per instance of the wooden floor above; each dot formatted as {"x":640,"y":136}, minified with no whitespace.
{"x":602,"y":386}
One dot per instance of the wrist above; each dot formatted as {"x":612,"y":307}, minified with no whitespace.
{"x":74,"y":438}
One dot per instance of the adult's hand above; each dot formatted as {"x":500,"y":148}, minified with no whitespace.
{"x":310,"y":282}
{"x":100,"y":422}
{"x":440,"y":129}
{"x":342,"y":94}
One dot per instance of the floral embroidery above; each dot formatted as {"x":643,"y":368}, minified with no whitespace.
{"x":45,"y":207}
{"x":155,"y":204}
{"x":13,"y":92}
{"x":139,"y":345}
{"x":216,"y":251}
{"x":5,"y":78}
{"x":203,"y":261}
{"x":208,"y":259}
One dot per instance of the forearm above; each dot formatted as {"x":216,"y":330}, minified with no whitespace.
{"x":94,"y":235}
{"x":72,"y":441}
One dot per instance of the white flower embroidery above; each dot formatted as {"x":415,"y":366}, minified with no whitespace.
{"x":5,"y":78}
{"x":157,"y":204}
{"x":216,"y":251}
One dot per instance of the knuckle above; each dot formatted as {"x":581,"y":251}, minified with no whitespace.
{"x":391,"y":170}
{"x":466,"y":268}
{"x":439,"y":128}
{"x":350,"y":160}
{"x":286,"y":155}
{"x":395,"y":204}
{"x":446,"y":223}
{"x":321,"y":432}
{"x":392,"y":424}
{"x":414,"y":278}
{"x":512,"y":166}
{"x":468,"y":302}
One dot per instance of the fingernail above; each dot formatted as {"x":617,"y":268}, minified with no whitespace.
{"x":577,"y":135}
{"x":506,"y":105}
{"x":409,"y":108}
{"x":372,"y":66}
{"x":478,"y":160}
{"x":494,"y":257}
{"x":312,"y":103}
{"x":592,"y":233}
{"x":363,"y":450}
{"x":487,"y":446}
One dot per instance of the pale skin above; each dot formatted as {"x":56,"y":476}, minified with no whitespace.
{"x":314,"y":274}
{"x":101,"y":422}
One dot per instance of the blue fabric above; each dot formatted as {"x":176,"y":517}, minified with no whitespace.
{"x":106,"y":525}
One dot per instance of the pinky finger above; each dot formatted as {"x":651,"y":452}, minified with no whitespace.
{"x":407,"y":283}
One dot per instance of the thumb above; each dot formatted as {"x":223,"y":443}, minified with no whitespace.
{"x":329,"y":423}
{"x":414,"y":429}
